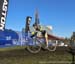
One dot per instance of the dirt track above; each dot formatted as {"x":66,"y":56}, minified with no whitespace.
{"x":22,"y":56}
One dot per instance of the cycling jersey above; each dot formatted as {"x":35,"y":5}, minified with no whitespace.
{"x":39,"y":31}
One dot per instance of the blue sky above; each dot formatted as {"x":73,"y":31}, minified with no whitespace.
{"x":58,"y":13}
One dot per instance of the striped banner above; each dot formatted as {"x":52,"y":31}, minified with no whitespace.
{"x":3,"y":13}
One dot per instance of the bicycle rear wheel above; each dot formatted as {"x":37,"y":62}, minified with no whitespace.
{"x":35,"y":48}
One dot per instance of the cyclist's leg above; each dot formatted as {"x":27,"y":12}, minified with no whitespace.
{"x":45,"y":35}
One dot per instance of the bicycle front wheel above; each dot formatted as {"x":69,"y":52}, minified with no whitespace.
{"x":52,"y":46}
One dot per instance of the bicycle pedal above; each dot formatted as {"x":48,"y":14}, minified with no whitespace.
{"x":46,"y":47}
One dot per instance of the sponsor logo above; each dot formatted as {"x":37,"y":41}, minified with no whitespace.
{"x":4,"y":11}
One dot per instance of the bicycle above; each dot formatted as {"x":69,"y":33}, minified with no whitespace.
{"x":35,"y":44}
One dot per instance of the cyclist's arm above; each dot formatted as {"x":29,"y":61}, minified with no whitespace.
{"x":33,"y":34}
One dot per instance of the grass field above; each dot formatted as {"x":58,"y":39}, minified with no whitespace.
{"x":19,"y":55}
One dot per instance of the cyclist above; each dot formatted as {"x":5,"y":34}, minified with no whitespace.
{"x":43,"y":33}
